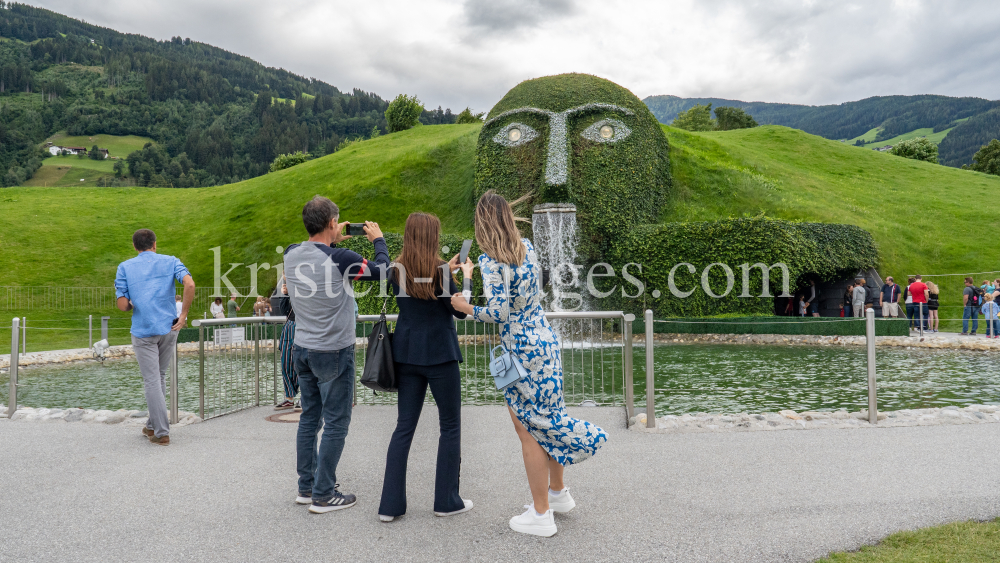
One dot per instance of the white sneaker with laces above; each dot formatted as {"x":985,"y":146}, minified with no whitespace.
{"x":531,"y":523}
{"x":468,"y":507}
{"x":562,"y":502}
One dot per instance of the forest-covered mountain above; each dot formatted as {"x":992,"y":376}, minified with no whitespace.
{"x":894,"y":115}
{"x":216,"y":117}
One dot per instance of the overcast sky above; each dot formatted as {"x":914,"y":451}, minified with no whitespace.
{"x":470,"y":52}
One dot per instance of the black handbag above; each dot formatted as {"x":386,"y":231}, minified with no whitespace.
{"x":379,"y":373}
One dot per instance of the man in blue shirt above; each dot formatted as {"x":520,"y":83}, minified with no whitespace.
{"x":145,"y":284}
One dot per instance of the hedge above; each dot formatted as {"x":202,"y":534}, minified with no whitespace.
{"x":825,"y":251}
{"x":614,"y":183}
{"x":776,"y":325}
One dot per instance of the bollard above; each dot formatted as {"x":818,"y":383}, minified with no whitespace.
{"x":627,"y":365}
{"x":104,"y":327}
{"x":650,"y":385}
{"x":12,"y":396}
{"x":870,"y":337}
{"x":90,"y":333}
{"x":921,"y":307}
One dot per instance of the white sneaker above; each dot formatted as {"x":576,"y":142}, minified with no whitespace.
{"x":385,"y":518}
{"x":301,"y":499}
{"x":468,"y":507}
{"x":531,"y":523}
{"x":561,"y":503}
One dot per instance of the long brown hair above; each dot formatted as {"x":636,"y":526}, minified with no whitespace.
{"x":420,"y":258}
{"x":496,"y":232}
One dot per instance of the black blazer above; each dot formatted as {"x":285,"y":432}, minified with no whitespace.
{"x":425,"y":332}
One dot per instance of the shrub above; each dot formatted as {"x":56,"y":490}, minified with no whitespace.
{"x":403,"y":113}
{"x":466,"y":116}
{"x":728,"y":118}
{"x":917,"y":149}
{"x":696,"y":118}
{"x":283,"y":161}
{"x":827,"y":251}
{"x":987,"y":159}
{"x":614,"y":182}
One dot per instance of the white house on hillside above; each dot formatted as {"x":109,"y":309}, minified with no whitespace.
{"x":56,"y":149}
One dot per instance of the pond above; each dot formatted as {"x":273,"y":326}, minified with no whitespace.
{"x":689,"y":378}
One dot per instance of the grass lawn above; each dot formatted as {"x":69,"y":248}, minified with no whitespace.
{"x":959,"y":542}
{"x":66,"y":174}
{"x":64,"y":329}
{"x":928,"y":132}
{"x":106,"y":165}
{"x":119,"y":146}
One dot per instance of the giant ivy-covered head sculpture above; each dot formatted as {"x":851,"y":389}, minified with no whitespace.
{"x":576,"y":138}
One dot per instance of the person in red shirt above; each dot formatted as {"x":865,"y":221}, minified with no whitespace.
{"x":919,"y":291}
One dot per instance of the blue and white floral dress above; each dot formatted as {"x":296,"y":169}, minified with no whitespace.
{"x":537,"y":399}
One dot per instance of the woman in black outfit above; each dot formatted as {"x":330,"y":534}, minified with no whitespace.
{"x":425,"y":350}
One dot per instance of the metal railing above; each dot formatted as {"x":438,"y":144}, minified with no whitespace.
{"x":239,"y":367}
{"x":650,"y":367}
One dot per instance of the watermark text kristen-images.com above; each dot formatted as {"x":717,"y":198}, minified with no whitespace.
{"x":565,"y":280}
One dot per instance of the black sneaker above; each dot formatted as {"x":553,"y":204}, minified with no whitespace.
{"x":337,"y":502}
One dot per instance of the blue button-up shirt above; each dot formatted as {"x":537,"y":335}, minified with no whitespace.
{"x":148,"y":282}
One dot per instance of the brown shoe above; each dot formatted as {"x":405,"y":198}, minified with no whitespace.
{"x":162,"y":441}
{"x":148,"y":432}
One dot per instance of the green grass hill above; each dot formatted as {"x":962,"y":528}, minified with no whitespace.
{"x":925,"y":218}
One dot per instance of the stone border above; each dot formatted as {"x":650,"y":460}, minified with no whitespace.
{"x":122,"y":416}
{"x":791,"y":420}
{"x":947,"y":341}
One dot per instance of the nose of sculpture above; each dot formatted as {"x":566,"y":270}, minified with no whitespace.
{"x":557,"y":160}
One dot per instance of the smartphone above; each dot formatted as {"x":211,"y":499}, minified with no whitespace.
{"x":356,"y":229}
{"x":466,"y":247}
{"x":464,"y":254}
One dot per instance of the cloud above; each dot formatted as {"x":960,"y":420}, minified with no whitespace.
{"x":469,"y":53}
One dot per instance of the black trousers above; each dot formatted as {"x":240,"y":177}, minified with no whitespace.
{"x":446,"y":386}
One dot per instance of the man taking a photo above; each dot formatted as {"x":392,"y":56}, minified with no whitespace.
{"x":145,"y":284}
{"x":318,"y":278}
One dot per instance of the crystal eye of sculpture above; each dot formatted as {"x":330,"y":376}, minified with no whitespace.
{"x":515,"y":134}
{"x":606,"y":131}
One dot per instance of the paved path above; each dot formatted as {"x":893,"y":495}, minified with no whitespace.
{"x":223,"y":491}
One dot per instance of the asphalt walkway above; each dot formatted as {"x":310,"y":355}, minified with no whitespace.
{"x":224,"y":491}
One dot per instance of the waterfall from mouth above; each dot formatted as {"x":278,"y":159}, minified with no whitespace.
{"x":553,"y":226}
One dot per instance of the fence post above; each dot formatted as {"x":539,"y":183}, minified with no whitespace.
{"x":870,"y":334}
{"x":255,"y":331}
{"x":24,"y":335}
{"x":174,"y":388}
{"x":650,"y":386}
{"x":627,"y":364}
{"x":90,"y":331}
{"x":921,"y":307}
{"x":12,"y":397}
{"x":201,"y":370}
{"x":104,"y":327}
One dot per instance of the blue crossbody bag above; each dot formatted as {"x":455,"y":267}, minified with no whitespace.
{"x":504,"y":367}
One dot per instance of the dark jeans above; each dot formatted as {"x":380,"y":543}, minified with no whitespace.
{"x":446,"y":386}
{"x":848,"y":310}
{"x":970,"y":313}
{"x":911,"y":313}
{"x":326,"y":380}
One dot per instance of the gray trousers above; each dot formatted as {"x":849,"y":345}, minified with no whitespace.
{"x":154,"y":354}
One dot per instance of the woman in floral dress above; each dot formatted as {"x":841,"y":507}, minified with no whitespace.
{"x":550,"y":438}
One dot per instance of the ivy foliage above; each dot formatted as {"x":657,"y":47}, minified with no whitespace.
{"x":370,"y":303}
{"x":820,"y":250}
{"x":613,"y":184}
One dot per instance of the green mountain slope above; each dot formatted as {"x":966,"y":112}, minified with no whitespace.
{"x":877,"y":120}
